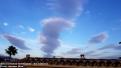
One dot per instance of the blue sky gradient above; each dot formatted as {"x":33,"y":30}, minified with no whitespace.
{"x":96,"y":28}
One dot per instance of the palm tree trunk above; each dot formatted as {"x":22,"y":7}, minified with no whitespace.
{"x":10,"y":57}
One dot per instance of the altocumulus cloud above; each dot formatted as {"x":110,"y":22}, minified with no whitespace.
{"x":16,"y":42}
{"x":52,"y":28}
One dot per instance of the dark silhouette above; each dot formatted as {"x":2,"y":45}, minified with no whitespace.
{"x":119,"y":42}
{"x":82,"y":56}
{"x":11,"y":50}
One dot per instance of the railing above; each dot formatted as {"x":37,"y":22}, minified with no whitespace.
{"x":67,"y":62}
{"x":68,"y":65}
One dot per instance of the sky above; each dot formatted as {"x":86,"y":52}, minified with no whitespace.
{"x":62,"y":28}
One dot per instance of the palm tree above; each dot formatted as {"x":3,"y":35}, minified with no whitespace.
{"x":11,"y":50}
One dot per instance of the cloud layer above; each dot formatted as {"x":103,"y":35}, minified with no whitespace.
{"x":74,"y":51}
{"x":111,"y":46}
{"x":16,"y":41}
{"x":52,"y":28}
{"x":103,"y":52}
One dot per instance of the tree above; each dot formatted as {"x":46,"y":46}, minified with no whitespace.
{"x":119,"y":42}
{"x":11,"y":50}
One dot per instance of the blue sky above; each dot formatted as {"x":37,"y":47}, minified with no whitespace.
{"x":65,"y":28}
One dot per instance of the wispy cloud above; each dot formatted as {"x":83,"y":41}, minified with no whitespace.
{"x":21,"y":26}
{"x":5,"y":24}
{"x":16,"y":41}
{"x":106,"y":55}
{"x":74,"y":51}
{"x":3,"y":31}
{"x":107,"y":51}
{"x":114,"y":56}
{"x":67,"y":8}
{"x":99,"y":38}
{"x":111,"y":46}
{"x":31,"y":29}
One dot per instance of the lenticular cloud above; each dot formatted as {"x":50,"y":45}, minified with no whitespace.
{"x":50,"y":34}
{"x":99,"y":38}
{"x":16,"y":41}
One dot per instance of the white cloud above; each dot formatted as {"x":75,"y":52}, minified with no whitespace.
{"x":31,"y":29}
{"x":5,"y":24}
{"x":21,"y":26}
